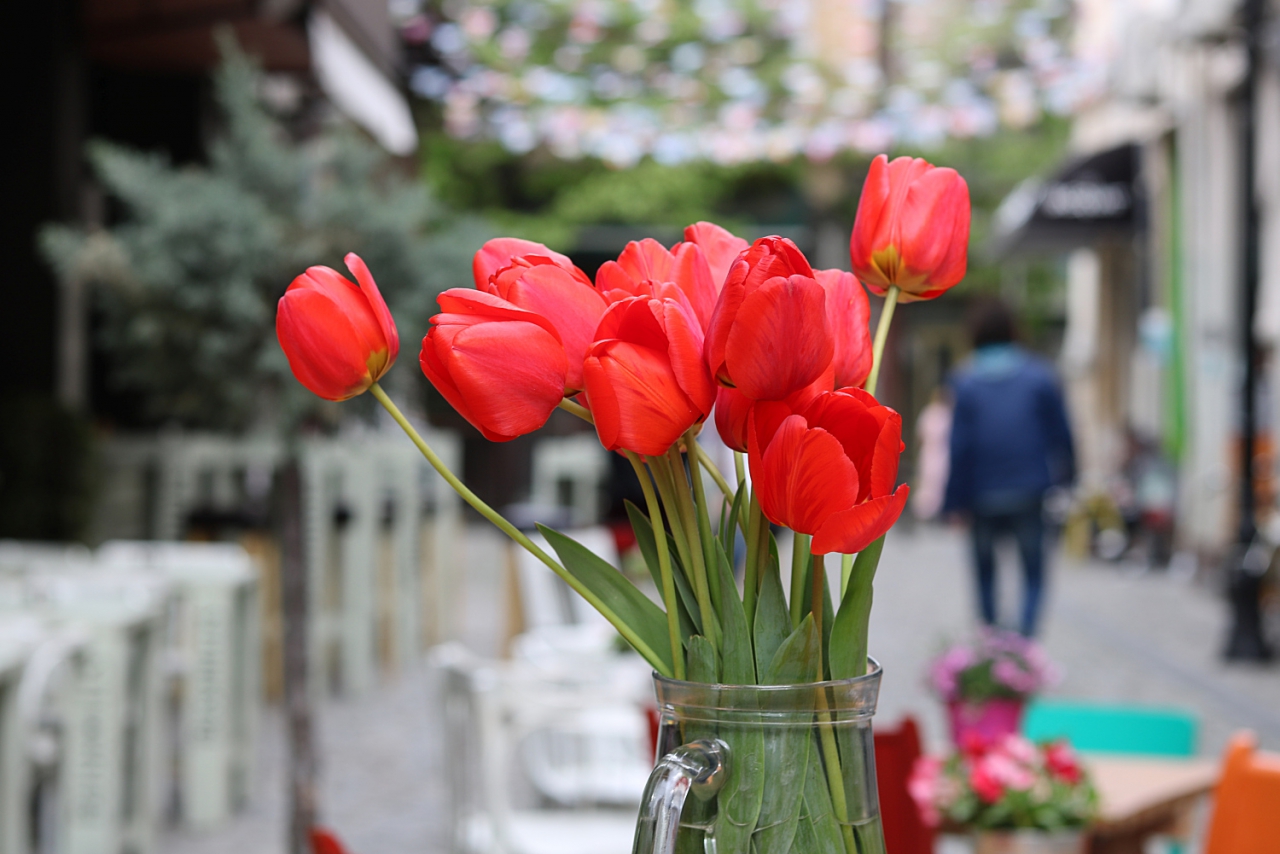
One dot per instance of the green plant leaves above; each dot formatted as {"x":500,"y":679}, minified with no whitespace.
{"x":690,"y":619}
{"x":632,"y":607}
{"x":848,"y":646}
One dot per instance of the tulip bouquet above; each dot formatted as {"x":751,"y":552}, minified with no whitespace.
{"x":780,"y":353}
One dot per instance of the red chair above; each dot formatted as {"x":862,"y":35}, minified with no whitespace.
{"x":1246,"y":809}
{"x":896,"y":753}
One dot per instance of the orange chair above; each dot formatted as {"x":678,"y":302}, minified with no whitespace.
{"x":896,"y":753}
{"x":1246,"y":811}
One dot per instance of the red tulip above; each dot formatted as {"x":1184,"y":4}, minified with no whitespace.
{"x":912,"y":228}
{"x":719,"y":246}
{"x":502,"y":252}
{"x":769,"y":334}
{"x":646,"y":381}
{"x":572,"y":306}
{"x":339,"y":338}
{"x":502,"y":368}
{"x":733,"y":408}
{"x":647,"y":269}
{"x":829,"y":468}
{"x":849,"y":313}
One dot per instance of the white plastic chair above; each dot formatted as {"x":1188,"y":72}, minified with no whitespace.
{"x":216,"y":658}
{"x":503,"y":725}
{"x":545,"y":599}
{"x":570,"y":471}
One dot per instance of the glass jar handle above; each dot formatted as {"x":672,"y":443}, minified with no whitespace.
{"x":699,"y":766}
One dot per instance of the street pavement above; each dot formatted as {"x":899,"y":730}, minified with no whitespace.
{"x":1118,"y":634}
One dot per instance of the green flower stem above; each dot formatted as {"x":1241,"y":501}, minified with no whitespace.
{"x":830,"y":753}
{"x":846,"y":570}
{"x":704,"y":517}
{"x":666,"y":491}
{"x":577,"y":409}
{"x":799,"y":563}
{"x":704,"y":459}
{"x":835,"y":777}
{"x":517,"y":535}
{"x":664,"y":563}
{"x":882,"y":335}
{"x":740,"y":466}
{"x":688,"y":519}
{"x":755,"y":544}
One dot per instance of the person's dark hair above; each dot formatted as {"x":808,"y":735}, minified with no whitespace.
{"x":991,"y":322}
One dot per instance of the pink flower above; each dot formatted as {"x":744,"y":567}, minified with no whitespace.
{"x":985,"y":784}
{"x":1009,"y":772}
{"x":1062,"y":763}
{"x":923,"y":787}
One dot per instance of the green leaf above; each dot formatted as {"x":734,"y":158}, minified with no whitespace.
{"x":729,"y":528}
{"x":848,"y":643}
{"x":736,"y":654}
{"x":772,"y":623}
{"x":702,"y":661}
{"x":796,"y":661}
{"x":649,"y":551}
{"x":787,"y":748}
{"x":633,"y":608}
{"x":819,"y":832}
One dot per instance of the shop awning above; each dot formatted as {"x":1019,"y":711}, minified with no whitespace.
{"x":1090,"y":199}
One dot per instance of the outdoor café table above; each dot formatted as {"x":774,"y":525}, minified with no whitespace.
{"x":1140,"y":797}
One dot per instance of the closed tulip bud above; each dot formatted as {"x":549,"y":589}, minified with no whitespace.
{"x":646,"y":268}
{"x":829,"y":469}
{"x":849,"y":313}
{"x":769,"y":335}
{"x":501,"y":252}
{"x":719,"y":246}
{"x":912,"y":228}
{"x":339,"y":337}
{"x":502,"y":368}
{"x":572,"y":306}
{"x":646,"y":381}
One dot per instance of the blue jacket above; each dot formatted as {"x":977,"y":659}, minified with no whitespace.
{"x":1010,"y":440}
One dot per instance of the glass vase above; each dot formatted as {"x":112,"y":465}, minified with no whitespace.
{"x":772,"y":769}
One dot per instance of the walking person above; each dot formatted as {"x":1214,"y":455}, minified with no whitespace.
{"x":1010,"y":443}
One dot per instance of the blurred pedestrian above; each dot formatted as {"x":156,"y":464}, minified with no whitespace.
{"x":933,"y":431}
{"x":1010,"y":443}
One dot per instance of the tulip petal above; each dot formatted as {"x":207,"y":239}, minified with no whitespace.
{"x":653,"y":409}
{"x":732,"y":411}
{"x":573,"y":308}
{"x":719,"y":246}
{"x":803,"y":477}
{"x":326,"y":350}
{"x":779,"y":341}
{"x":849,"y":312}
{"x":684,"y":349}
{"x":500,"y":252}
{"x":511,"y":375}
{"x":369,"y":289}
{"x":646,"y":261}
{"x":689,"y":270}
{"x":851,"y":531}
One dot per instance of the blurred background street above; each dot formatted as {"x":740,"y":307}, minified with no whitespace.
{"x":200,"y":559}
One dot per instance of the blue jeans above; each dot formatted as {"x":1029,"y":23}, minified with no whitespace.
{"x":1023,"y":520}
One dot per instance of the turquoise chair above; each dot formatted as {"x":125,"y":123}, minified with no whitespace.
{"x":1113,"y":728}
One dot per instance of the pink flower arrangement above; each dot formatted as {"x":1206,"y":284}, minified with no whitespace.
{"x":1010,"y":784}
{"x":995,"y":665}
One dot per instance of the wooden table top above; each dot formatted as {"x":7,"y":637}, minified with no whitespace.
{"x":1132,"y":789}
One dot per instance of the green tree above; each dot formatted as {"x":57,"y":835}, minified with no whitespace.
{"x":203,"y":254}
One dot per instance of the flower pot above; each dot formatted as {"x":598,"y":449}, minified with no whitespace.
{"x":1029,"y":842}
{"x":988,"y":721}
{"x":771,"y":767}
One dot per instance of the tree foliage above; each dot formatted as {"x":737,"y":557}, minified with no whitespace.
{"x":185,"y":284}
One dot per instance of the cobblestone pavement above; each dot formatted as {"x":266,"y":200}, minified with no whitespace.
{"x":1119,"y":635}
